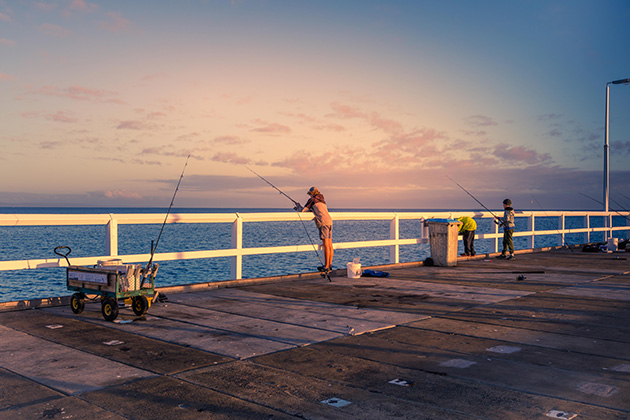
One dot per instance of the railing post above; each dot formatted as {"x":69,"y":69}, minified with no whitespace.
{"x":610,"y":225}
{"x":394,"y":233}
{"x":495,"y":230}
{"x":237,"y":243}
{"x":531,"y":226}
{"x":111,"y":241}
{"x":587,"y":224}
{"x":561,"y":225}
{"x":424,"y":231}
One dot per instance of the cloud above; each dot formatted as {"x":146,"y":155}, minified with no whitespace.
{"x":79,"y":93}
{"x":116,"y":23}
{"x":549,"y":117}
{"x":61,"y":116}
{"x":271,"y":128}
{"x":7,"y":42}
{"x":230,"y":158}
{"x":5,"y":76}
{"x":121,"y":194}
{"x":520,"y":154}
{"x":83,"y":6}
{"x":54,"y":30}
{"x":620,"y":147}
{"x":231,"y":140}
{"x":346,"y":111}
{"x":480,"y":121}
{"x":45,"y":7}
{"x":133,"y":125}
{"x":50,"y":144}
{"x":4,"y":18}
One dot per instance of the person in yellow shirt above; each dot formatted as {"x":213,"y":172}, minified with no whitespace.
{"x":467,"y":229}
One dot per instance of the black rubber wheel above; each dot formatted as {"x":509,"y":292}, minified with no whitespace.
{"x":109,"y":309}
{"x":77,"y":303}
{"x":140,"y":305}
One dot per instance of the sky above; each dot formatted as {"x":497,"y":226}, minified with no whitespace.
{"x":380,"y":104}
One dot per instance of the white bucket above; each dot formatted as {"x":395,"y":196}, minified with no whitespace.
{"x":354,"y":270}
{"x":613,"y":243}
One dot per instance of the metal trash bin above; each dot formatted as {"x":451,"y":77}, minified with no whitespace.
{"x":443,"y":241}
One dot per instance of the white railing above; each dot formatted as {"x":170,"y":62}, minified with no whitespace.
{"x":236,"y":251}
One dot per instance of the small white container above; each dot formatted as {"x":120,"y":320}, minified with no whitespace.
{"x":613,"y":243}
{"x":354,"y":269}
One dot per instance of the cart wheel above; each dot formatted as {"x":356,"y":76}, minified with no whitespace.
{"x":109,"y":309}
{"x":140,"y":305}
{"x":77,"y":303}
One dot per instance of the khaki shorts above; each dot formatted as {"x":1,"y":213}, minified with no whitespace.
{"x":325,"y":232}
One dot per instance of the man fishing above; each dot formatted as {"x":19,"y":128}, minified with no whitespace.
{"x":323,"y":221}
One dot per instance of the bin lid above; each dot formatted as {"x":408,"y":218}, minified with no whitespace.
{"x":442,"y":221}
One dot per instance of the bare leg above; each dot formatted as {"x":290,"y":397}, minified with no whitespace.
{"x":328,"y":252}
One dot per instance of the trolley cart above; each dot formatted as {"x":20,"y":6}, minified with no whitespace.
{"x":112,"y":281}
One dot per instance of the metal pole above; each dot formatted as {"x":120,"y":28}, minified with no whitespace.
{"x":606,"y":154}
{"x":606,"y":151}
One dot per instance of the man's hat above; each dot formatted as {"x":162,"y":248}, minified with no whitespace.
{"x":507,"y":202}
{"x":313,"y":191}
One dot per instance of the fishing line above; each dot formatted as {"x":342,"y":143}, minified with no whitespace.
{"x":153,"y":248}
{"x":601,"y":204}
{"x":297,"y":205}
{"x":474,"y":198}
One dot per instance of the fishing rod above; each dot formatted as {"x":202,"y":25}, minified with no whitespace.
{"x":298,"y":210}
{"x":474,"y":198}
{"x":273,"y":186}
{"x":568,"y":245}
{"x":153,"y":248}
{"x":600,"y":203}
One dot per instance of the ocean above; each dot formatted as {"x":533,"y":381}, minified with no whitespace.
{"x":38,"y":242}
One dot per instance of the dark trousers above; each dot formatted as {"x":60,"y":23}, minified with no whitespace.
{"x":508,"y":244}
{"x":469,"y":242}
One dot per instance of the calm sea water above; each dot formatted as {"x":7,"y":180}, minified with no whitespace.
{"x":35,"y":242}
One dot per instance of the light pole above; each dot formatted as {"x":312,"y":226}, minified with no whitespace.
{"x":606,"y":152}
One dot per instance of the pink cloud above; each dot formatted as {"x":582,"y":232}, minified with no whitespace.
{"x":45,"y":7}
{"x":54,"y":30}
{"x":61,"y":116}
{"x":385,"y":124}
{"x":5,"y":76}
{"x":121,"y":194}
{"x":79,"y":93}
{"x":271,"y":128}
{"x":132,"y":125}
{"x":7,"y":42}
{"x":520,"y":154}
{"x":480,"y":121}
{"x":116,"y":23}
{"x":346,"y":111}
{"x":50,"y":144}
{"x":232,"y":140}
{"x":230,"y":158}
{"x":5,"y":18}
{"x":83,"y":6}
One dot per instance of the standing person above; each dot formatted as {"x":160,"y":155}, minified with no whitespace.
{"x":467,"y":229}
{"x":324,"y":223}
{"x":507,"y":221}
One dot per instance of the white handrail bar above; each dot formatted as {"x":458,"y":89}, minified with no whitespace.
{"x":236,"y":252}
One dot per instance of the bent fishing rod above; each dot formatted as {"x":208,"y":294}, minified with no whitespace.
{"x":273,"y":186}
{"x":474,"y":198}
{"x":153,"y":248}
{"x":297,"y":207}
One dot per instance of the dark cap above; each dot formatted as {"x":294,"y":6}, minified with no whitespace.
{"x":507,"y":202}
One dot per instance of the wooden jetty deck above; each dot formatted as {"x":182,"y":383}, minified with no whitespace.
{"x":546,"y":335}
